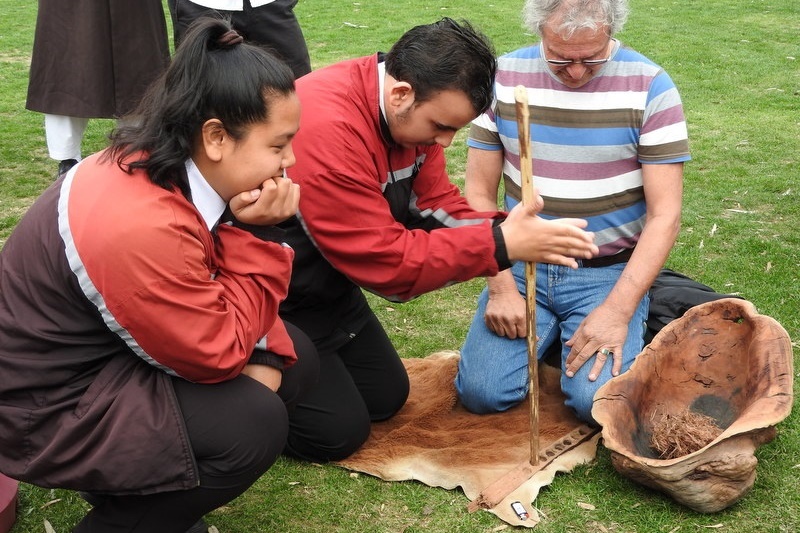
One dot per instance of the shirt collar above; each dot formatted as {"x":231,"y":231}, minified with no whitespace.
{"x":384,"y":124}
{"x":381,"y":85}
{"x":204,"y":197}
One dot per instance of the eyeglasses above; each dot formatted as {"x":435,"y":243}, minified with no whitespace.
{"x":568,"y":62}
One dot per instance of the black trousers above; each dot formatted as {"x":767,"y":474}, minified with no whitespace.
{"x":237,"y":430}
{"x":272,"y":25}
{"x":362,"y":380}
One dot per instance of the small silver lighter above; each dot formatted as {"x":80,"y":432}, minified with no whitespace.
{"x":520,"y":510}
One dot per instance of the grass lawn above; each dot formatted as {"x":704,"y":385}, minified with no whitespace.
{"x":737,"y":65}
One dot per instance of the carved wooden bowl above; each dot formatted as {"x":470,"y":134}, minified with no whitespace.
{"x":723,"y":360}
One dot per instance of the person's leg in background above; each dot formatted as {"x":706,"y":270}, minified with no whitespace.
{"x":184,"y":12}
{"x":64,"y":136}
{"x":275,"y":25}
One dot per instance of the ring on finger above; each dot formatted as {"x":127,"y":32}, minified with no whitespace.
{"x":606,"y":352}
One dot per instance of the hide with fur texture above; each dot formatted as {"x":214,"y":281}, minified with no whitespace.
{"x":434,"y":440}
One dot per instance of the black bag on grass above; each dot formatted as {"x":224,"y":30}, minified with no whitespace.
{"x":671,"y":295}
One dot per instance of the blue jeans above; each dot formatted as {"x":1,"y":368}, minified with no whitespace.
{"x":493,"y":370}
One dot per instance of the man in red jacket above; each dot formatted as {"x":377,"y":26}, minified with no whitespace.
{"x":378,"y":211}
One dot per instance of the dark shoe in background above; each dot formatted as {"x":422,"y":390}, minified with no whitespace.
{"x":65,"y":165}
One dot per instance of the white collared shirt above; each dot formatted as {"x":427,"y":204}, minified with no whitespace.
{"x":204,"y":197}
{"x":381,"y":85}
{"x":230,"y":5}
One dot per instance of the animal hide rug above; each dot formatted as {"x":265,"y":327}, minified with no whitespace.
{"x":434,"y":440}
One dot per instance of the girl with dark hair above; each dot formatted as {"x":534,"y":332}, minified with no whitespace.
{"x":142,"y":359}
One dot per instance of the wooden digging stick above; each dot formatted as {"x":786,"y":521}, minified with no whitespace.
{"x":526,"y":175}
{"x":497,"y":491}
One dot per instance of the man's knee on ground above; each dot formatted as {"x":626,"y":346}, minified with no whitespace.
{"x":478,"y":397}
{"x":581,"y":400}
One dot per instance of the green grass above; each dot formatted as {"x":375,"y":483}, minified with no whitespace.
{"x":737,"y":64}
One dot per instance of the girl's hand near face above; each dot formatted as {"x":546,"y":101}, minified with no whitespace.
{"x":276,"y":201}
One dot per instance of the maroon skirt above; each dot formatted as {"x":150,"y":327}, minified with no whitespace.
{"x":95,"y":58}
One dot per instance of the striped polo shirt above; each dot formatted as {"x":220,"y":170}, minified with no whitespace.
{"x":588,"y":144}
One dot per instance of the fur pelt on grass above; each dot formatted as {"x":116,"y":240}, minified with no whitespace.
{"x":434,"y":440}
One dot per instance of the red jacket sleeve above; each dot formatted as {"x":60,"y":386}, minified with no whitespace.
{"x":200,"y":327}
{"x":182,"y":300}
{"x":343,"y":209}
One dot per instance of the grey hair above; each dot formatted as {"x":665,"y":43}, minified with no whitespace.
{"x":569,"y":16}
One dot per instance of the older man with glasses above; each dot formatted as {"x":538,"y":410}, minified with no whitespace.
{"x":608,"y":143}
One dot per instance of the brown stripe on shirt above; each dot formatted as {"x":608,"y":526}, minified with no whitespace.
{"x":483,"y":135}
{"x":570,"y":118}
{"x":579,"y":208}
{"x":663,"y":151}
